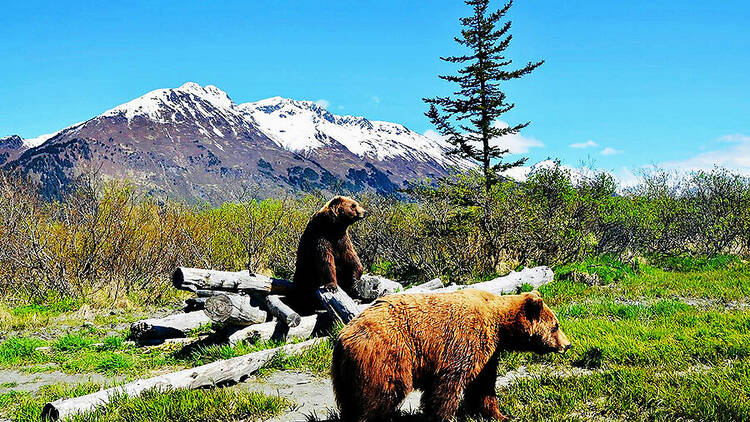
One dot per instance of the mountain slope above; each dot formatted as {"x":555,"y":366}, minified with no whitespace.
{"x":195,"y":143}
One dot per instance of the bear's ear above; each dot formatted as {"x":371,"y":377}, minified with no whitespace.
{"x":534,"y":305}
{"x":333,"y":206}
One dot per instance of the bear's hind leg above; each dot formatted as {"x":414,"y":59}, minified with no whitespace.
{"x":440,"y":400}
{"x":480,"y":396}
{"x":380,"y":406}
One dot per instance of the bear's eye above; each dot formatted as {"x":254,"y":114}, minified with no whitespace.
{"x":555,"y":328}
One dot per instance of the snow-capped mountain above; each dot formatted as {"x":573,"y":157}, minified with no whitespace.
{"x":194,"y":142}
{"x":303,"y":126}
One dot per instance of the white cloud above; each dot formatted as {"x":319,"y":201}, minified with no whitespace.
{"x":515,"y":144}
{"x":610,"y":151}
{"x":323,"y":103}
{"x":737,"y":137}
{"x":735,"y":157}
{"x":587,"y":144}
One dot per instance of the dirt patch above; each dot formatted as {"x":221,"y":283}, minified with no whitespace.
{"x":313,"y":395}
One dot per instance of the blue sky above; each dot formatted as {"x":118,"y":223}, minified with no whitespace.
{"x":643,"y":82}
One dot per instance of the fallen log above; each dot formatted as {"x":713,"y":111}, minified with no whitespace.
{"x":281,"y":310}
{"x":424,"y":287}
{"x":178,"y":325}
{"x":229,"y":308}
{"x":372,"y":287}
{"x":194,"y":279}
{"x":339,"y":305}
{"x":218,"y":373}
{"x":509,"y":284}
{"x":277,"y":330}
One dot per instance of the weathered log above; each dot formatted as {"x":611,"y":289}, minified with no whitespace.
{"x":511,"y":283}
{"x":276,"y":330}
{"x":178,"y":325}
{"x":194,"y":279}
{"x":372,"y":287}
{"x":208,"y":293}
{"x":194,"y":304}
{"x":338,"y":304}
{"x":234,"y":309}
{"x":281,"y":310}
{"x":218,"y":373}
{"x":424,"y":287}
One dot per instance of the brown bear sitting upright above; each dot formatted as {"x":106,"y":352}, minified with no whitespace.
{"x":326,"y":256}
{"x":444,"y":344}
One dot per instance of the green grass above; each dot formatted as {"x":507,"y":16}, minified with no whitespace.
{"x":180,"y":405}
{"x":79,"y":352}
{"x":633,"y":394}
{"x":649,"y":344}
{"x":315,"y":360}
{"x":19,"y":350}
{"x":27,"y":407}
{"x":721,"y":285}
{"x":221,"y":405}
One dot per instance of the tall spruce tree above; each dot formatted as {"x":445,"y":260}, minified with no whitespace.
{"x":468,"y":118}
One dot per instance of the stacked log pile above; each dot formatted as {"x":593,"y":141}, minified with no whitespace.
{"x":243,"y":306}
{"x":255,"y":306}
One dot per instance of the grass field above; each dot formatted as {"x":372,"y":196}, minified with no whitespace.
{"x":648,"y":345}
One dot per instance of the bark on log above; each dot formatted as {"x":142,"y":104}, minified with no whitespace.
{"x":276,"y":330}
{"x":234,"y":309}
{"x":178,"y":325}
{"x":338,"y":304}
{"x":217,"y":373}
{"x":281,"y":310}
{"x":194,"y":279}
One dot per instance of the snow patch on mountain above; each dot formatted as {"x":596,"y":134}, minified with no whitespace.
{"x":35,"y":142}
{"x":167,"y":105}
{"x":303,"y":126}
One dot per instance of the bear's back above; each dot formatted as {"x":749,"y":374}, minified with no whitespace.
{"x":427,"y":320}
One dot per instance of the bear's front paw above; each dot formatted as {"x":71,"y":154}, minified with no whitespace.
{"x":330,"y":287}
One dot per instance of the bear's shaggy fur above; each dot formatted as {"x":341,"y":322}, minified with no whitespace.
{"x":445,"y":344}
{"x":325,"y":255}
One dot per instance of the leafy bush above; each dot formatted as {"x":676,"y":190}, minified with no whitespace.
{"x":603,"y":269}
{"x":108,"y":242}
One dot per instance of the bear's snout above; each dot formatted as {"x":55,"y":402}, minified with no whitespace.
{"x":565,"y":344}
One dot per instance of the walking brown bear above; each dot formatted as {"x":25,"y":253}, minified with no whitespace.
{"x":445,"y":344}
{"x":325,"y":255}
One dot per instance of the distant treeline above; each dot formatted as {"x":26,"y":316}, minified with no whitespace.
{"x":107,"y":240}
